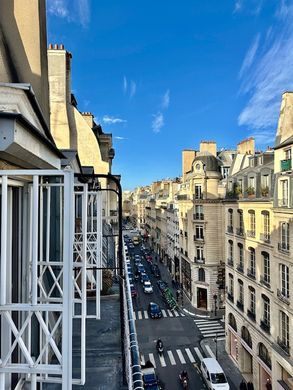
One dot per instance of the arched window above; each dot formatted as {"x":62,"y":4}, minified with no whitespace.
{"x":265,"y":235}
{"x":251,"y":268}
{"x":201,"y":275}
{"x":232,"y":321}
{"x":246,"y":336}
{"x":240,"y":229}
{"x":241,"y":257}
{"x":230,"y":251}
{"x":266,"y":279}
{"x":230,"y":221}
{"x":263,"y":353}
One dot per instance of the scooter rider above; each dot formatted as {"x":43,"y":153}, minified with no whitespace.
{"x":159,"y":343}
{"x":183,"y":375}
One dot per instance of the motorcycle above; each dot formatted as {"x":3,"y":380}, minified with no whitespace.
{"x":160,"y":348}
{"x":184,"y":381}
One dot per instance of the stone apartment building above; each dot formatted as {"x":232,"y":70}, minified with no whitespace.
{"x":200,"y":207}
{"x":258,"y":224}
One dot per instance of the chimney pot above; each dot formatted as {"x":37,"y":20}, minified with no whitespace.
{"x":50,"y":46}
{"x":55,"y":46}
{"x":61,"y":46}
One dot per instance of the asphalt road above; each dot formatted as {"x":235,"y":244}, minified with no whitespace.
{"x":177,"y":331}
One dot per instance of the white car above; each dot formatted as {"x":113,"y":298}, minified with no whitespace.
{"x":213,"y":374}
{"x":147,"y":287}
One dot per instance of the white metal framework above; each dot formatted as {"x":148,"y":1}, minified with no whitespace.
{"x":51,"y":248}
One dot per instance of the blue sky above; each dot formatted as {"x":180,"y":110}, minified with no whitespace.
{"x":162,"y":75}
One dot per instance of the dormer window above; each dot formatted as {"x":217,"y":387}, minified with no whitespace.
{"x":288,"y":154}
{"x":260,"y":160}
{"x":251,"y":162}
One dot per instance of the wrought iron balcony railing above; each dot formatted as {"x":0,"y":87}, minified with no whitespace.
{"x":284,"y":344}
{"x":199,"y":260}
{"x":265,"y":280}
{"x":250,"y":233}
{"x":198,"y":216}
{"x":265,"y":326}
{"x":251,"y":273}
{"x":230,"y":262}
{"x":230,"y":229}
{"x":240,"y":231}
{"x":265,"y":237}
{"x":240,"y":305}
{"x":251,"y":314}
{"x":230,"y":296}
{"x":240,"y":267}
{"x":283,"y":246}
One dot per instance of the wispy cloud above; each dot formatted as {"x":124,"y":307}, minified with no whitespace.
{"x":120,"y":138}
{"x":74,"y":11}
{"x":250,"y":55}
{"x":57,"y":8}
{"x":271,"y":74}
{"x":166,"y":99}
{"x":124,"y":84}
{"x":83,"y":8}
{"x":238,"y":6}
{"x":158,"y":122}
{"x":263,"y":137}
{"x":132,"y":88}
{"x":110,"y":120}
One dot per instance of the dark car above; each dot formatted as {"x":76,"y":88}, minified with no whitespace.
{"x":162,"y":285}
{"x":154,"y":310}
{"x":133,"y":291}
{"x":140,"y":268}
{"x":156,"y":271}
{"x":144,"y":277}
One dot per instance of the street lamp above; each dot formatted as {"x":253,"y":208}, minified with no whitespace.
{"x":216,"y":341}
{"x":215,"y":299}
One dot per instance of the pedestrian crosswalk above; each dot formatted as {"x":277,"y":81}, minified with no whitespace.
{"x":143,"y":314}
{"x":173,"y":358}
{"x":210,"y":328}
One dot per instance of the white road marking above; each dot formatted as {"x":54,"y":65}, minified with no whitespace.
{"x":221,"y":338}
{"x":214,"y":328}
{"x":139,"y":315}
{"x":181,"y":357}
{"x":197,"y":351}
{"x":182,"y":315}
{"x":189,"y":354}
{"x":210,"y":351}
{"x":202,"y":321}
{"x":164,"y":313}
{"x":206,"y":325}
{"x":213,"y":335}
{"x":152,"y":359}
{"x":134,"y":316}
{"x":145,"y":314}
{"x":162,"y":360}
{"x":142,"y":360}
{"x":176,"y":313}
{"x":221,"y":330}
{"x":171,"y":357}
{"x":170,"y":313}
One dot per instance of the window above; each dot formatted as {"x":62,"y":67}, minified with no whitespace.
{"x":284,"y":329}
{"x":266,"y":225}
{"x":284,"y":280}
{"x":241,"y":258}
{"x":245,"y":335}
{"x":288,"y":154}
{"x":230,"y":250}
{"x":252,"y":261}
{"x":225,"y":172}
{"x":265,"y":181}
{"x":252,"y":300}
{"x":232,"y":321}
{"x":198,"y":191}
{"x":199,"y":212}
{"x":199,"y":232}
{"x":266,"y":267}
{"x":231,"y":285}
{"x":260,"y":160}
{"x":284,"y":236}
{"x":201,"y":275}
{"x":266,"y":310}
{"x":240,"y":185}
{"x":251,"y":182}
{"x":230,"y":220}
{"x":263,"y":353}
{"x":241,"y":292}
{"x":251,"y":223}
{"x":199,"y":253}
{"x":240,"y":230}
{"x":284,"y":192}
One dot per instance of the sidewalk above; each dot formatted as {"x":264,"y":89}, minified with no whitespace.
{"x":232,"y":373}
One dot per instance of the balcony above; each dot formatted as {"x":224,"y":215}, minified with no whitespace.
{"x":265,"y":326}
{"x":251,"y":315}
{"x":286,"y":165}
{"x":240,"y":231}
{"x":240,"y":305}
{"x":230,"y":262}
{"x":230,"y":296}
{"x":182,"y":197}
{"x":229,"y":229}
{"x":284,"y":345}
{"x":250,"y":233}
{"x":198,"y":217}
{"x":251,"y":273}
{"x":283,"y":297}
{"x":265,"y":280}
{"x":199,"y":260}
{"x":198,"y":197}
{"x":240,"y":268}
{"x":283,"y":247}
{"x":265,"y":237}
{"x":196,"y":238}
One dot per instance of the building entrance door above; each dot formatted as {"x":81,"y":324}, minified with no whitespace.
{"x":202,"y":298}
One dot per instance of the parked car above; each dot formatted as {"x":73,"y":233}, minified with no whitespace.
{"x":130,"y":246}
{"x":133,"y":291}
{"x":144,"y":277}
{"x":147,"y":287}
{"x":162,"y":285}
{"x":156,"y":271}
{"x":154,"y":310}
{"x":140,"y":268}
{"x":213,"y":374}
